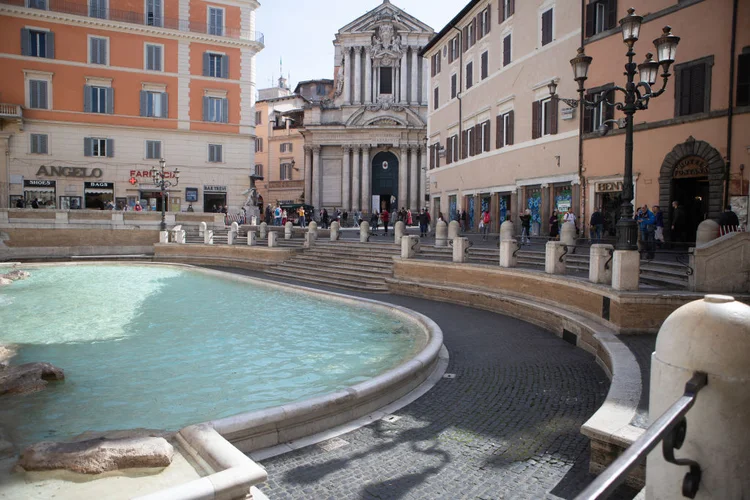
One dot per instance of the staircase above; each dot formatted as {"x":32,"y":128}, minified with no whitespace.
{"x":356,"y":266}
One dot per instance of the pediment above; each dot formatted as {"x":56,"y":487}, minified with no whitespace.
{"x":386,"y":13}
{"x":386,"y":115}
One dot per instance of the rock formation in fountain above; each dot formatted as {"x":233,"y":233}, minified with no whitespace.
{"x":15,"y":275}
{"x":26,"y":378}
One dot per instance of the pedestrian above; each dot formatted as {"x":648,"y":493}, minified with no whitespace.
{"x":137,"y":206}
{"x":571,"y":217}
{"x":728,"y":221}
{"x":284,"y":217}
{"x":277,"y":216}
{"x":409,"y":220}
{"x":344,"y":218}
{"x":225,"y":210}
{"x":384,"y":216}
{"x":526,"y":227}
{"x":596,"y":226}
{"x":554,"y":225}
{"x":190,"y":208}
{"x":35,"y":203}
{"x":508,"y":216}
{"x":19,"y":203}
{"x":679,"y":223}
{"x":440,"y":217}
{"x":465,"y":221}
{"x":484,"y":224}
{"x":267,"y":214}
{"x":647,"y":222}
{"x":424,"y":221}
{"x":374,"y":221}
{"x":301,"y":217}
{"x":659,"y":234}
{"x":324,"y":219}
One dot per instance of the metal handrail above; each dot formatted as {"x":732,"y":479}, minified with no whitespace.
{"x":670,"y":428}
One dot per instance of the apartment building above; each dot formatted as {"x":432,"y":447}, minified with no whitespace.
{"x":93,"y":94}
{"x":498,"y":139}
{"x":692,"y":144}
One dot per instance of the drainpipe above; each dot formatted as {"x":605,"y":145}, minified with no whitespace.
{"x":731,"y":104}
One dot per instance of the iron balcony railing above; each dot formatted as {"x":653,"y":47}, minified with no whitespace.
{"x":135,"y":17}
{"x":670,"y":429}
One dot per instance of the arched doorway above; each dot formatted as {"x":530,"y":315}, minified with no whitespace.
{"x":384,"y":181}
{"x":693,"y":175}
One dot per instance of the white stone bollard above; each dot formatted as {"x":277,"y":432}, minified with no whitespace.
{"x":230,"y":238}
{"x":507,"y":249}
{"x":208,"y":237}
{"x":288,"y":228}
{"x":554,"y":257}
{"x":568,"y":235}
{"x":711,"y":336}
{"x":441,"y":234}
{"x":460,"y":246}
{"x":163,"y":236}
{"x":399,"y":230}
{"x":312,"y":228}
{"x":272,"y":239}
{"x":600,"y":266}
{"x":364,"y":232}
{"x":254,"y":220}
{"x":708,"y":230}
{"x":309,"y":240}
{"x":235,"y":228}
{"x":506,"y":230}
{"x":453,"y":229}
{"x":626,"y":270}
{"x":180,"y":237}
{"x":410,"y":246}
{"x":251,"y":239}
{"x":202,"y":228}
{"x":335,"y":231}
{"x":263,"y":230}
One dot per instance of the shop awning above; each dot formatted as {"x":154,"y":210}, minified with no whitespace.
{"x":39,"y":189}
{"x":99,"y":191}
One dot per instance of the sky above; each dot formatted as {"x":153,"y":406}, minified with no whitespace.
{"x":301,"y":32}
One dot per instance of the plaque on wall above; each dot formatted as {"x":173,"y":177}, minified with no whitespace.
{"x":691,"y":166}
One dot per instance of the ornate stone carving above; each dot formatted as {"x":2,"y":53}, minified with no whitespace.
{"x":339,"y":79}
{"x":386,"y":43}
{"x":385,"y":122}
{"x":385,"y":103}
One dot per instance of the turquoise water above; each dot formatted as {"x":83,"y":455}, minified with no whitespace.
{"x":162,"y":347}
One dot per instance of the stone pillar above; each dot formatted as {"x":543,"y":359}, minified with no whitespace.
{"x":163,"y":236}
{"x":180,"y":237}
{"x":414,"y":98}
{"x":399,"y":229}
{"x":364,"y":232}
{"x":346,"y":179}
{"x":600,"y":267}
{"x":202,"y":228}
{"x":495,"y":213}
{"x":251,"y":239}
{"x":409,"y":246}
{"x":308,"y":174}
{"x":477,"y":212}
{"x":710,"y":336}
{"x":230,"y":237}
{"x":376,"y":83}
{"x":425,"y":80}
{"x":312,"y":228}
{"x":335,"y":231}
{"x":404,"y":76}
{"x":347,"y":75}
{"x":460,"y":246}
{"x":356,"y":168}
{"x":441,"y":234}
{"x":316,"y":178}
{"x":708,"y":230}
{"x":507,"y":250}
{"x":453,"y":229}
{"x":507,"y":231}
{"x":309,"y":240}
{"x":626,"y":270}
{"x":357,"y":75}
{"x":547,"y":202}
{"x":368,"y":77}
{"x":422,"y":176}
{"x":263,"y":230}
{"x":366,"y":178}
{"x":272,"y":239}
{"x":288,"y":229}
{"x":554,"y":260}
{"x":208,"y":237}
{"x":568,"y":235}
{"x":403,"y":177}
{"x":234,"y":227}
{"x":414,"y":180}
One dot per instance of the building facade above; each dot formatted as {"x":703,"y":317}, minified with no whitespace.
{"x":499,"y":141}
{"x":364,"y":145}
{"x":95,"y":93}
{"x":691,"y":144}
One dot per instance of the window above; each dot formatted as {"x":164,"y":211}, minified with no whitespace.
{"x":435,"y":98}
{"x":453,"y":49}
{"x":743,"y":79}
{"x":215,"y":109}
{"x":547,"y":27}
{"x":504,"y":130}
{"x":594,"y":117}
{"x":435,"y":63}
{"x":286,"y":172}
{"x":451,"y":149}
{"x":485,"y":25}
{"x":258,"y":170}
{"x":454,"y":85}
{"x":485,"y":64}
{"x":544,"y":117}
{"x":37,"y":4}
{"x":469,"y":75}
{"x":94,"y":146}
{"x":38,"y":94}
{"x":506,"y":50}
{"x":216,"y":65}
{"x":471,"y":31}
{"x":693,"y":87}
{"x":214,"y":153}
{"x":257,"y":118}
{"x":153,"y":150}
{"x":386,"y":80}
{"x":483,"y":137}
{"x":259,"y":145}
{"x":286,"y":147}
{"x":601,"y":16}
{"x":215,"y":21}
{"x":154,"y":57}
{"x":37,"y":43}
{"x":154,"y":10}
{"x":469,"y":147}
{"x":507,"y":8}
{"x":98,"y":99}
{"x":39,"y":144}
{"x":98,"y":50}
{"x":154,"y":104}
{"x":98,"y":8}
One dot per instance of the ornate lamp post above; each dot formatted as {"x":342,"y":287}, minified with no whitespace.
{"x":159,"y":177}
{"x":636,"y":97}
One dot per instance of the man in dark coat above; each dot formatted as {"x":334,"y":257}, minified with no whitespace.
{"x":729,"y":219}
{"x":679,"y":223}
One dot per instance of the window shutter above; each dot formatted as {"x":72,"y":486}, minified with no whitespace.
{"x":50,"y":45}
{"x":157,"y":149}
{"x":164,"y":105}
{"x":225,"y":110}
{"x":42,"y":89}
{"x":144,"y":103}
{"x":92,"y":51}
{"x":87,"y":98}
{"x":206,"y":62}
{"x":698,"y":88}
{"x":25,"y":42}
{"x":506,"y":50}
{"x":432,"y":157}
{"x":219,"y":152}
{"x":87,"y":146}
{"x":205,"y":108}
{"x":512,"y":7}
{"x":157,"y":12}
{"x":291,"y":147}
{"x":554,"y":105}
{"x":609,"y":111}
{"x":103,"y":51}
{"x":501,"y":11}
{"x":465,"y":39}
{"x":511,"y":128}
{"x":499,"y":132}
{"x":448,"y":151}
{"x":588,"y":116}
{"x":477,"y":138}
{"x":487,"y":130}
{"x":489,"y":18}
{"x":547,"y":27}
{"x":536,"y":119}
{"x":611,"y":12}
{"x":157,"y":58}
{"x":225,"y":66}
{"x":474,"y":32}
{"x":684,"y":91}
{"x":464,"y":144}
{"x":590,"y":18}
{"x":110,"y":101}
{"x":43,"y":143}
{"x":478,"y":26}
{"x":110,"y":148}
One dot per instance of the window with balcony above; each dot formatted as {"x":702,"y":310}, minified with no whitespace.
{"x":98,"y":147}
{"x":215,"y":109}
{"x":153,"y":150}
{"x":154,"y":57}
{"x":216,"y":65}
{"x":99,"y":8}
{"x":38,"y":144}
{"x":216,"y":21}
{"x":154,"y":13}
{"x":215,"y":153}
{"x":98,"y":99}
{"x":38,"y":94}
{"x":98,"y":50}
{"x":36,"y":43}
{"x":154,"y":104}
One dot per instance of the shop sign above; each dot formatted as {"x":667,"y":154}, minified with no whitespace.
{"x":147,"y":173}
{"x":692,"y":166}
{"x":99,"y":185}
{"x":38,"y":183}
{"x":609,"y":187}
{"x":191,"y":194}
{"x":51,"y":171}
{"x":214,"y":189}
{"x":567,"y":113}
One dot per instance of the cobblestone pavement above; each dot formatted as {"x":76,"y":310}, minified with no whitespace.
{"x":642,"y":346}
{"x":507,"y":426}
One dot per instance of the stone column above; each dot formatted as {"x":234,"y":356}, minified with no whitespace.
{"x":346,"y":179}
{"x":368,"y":77}
{"x":414,"y":180}
{"x":376,"y":83}
{"x":357,"y":75}
{"x":316,"y":177}
{"x":495,"y":213}
{"x":356,"y":168}
{"x":347,"y":75}
{"x":403,"y":177}
{"x":422,"y":176}
{"x":414,"y":99}
{"x":366,"y":178}
{"x":626,"y":270}
{"x":404,"y":75}
{"x":308,"y":174}
{"x":425,"y":80}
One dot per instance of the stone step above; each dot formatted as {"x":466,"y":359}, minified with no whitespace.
{"x":338,"y":268}
{"x":332,"y":274}
{"x":357,"y":286}
{"x":336,"y":260}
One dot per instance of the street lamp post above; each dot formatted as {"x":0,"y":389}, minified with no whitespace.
{"x":636,"y":98}
{"x":159,"y":177}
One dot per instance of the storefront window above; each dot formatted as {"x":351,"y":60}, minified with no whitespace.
{"x":70,"y":202}
{"x":451,"y":208}
{"x":471,"y":211}
{"x":503,"y":204}
{"x":534,"y":203}
{"x":563,"y":198}
{"x":99,"y":195}
{"x":39,"y":193}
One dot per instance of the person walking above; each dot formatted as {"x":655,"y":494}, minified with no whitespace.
{"x":570,"y":217}
{"x":284,"y":217}
{"x":554,"y":225}
{"x":526,"y":227}
{"x":267,"y":214}
{"x":384,"y":215}
{"x":277,"y":216}
{"x":679,"y":224}
{"x":659,"y":234}
{"x":409,"y":220}
{"x":374,"y":218}
{"x":596,"y":226}
{"x":465,"y":221}
{"x":301,"y":217}
{"x":647,"y":222}
{"x":424,"y":222}
{"x":324,"y":219}
{"x":485,"y":224}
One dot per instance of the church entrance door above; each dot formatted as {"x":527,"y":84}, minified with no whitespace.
{"x":385,"y":180}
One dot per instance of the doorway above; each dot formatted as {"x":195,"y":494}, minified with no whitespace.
{"x":385,"y":180}
{"x":214,"y":202}
{"x":693,"y":196}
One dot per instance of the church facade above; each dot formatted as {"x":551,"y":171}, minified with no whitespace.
{"x":365,"y":147}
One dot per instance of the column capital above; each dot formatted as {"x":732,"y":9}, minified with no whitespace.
{"x":422,"y":148}
{"x":347,"y":148}
{"x":315,"y":149}
{"x":358,"y":49}
{"x":365,"y":147}
{"x":307,"y":148}
{"x":545,"y":186}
